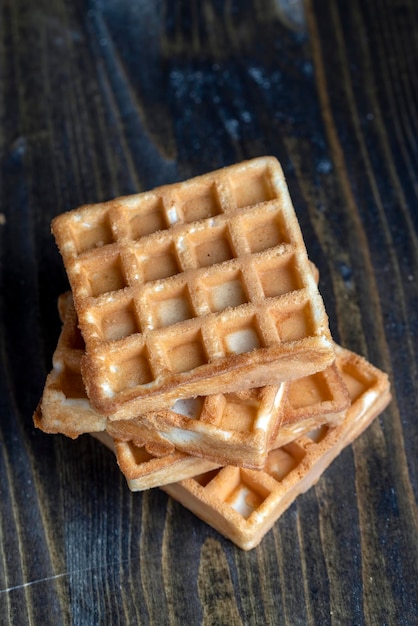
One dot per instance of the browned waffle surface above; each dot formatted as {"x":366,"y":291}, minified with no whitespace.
{"x":234,"y":428}
{"x":225,"y":428}
{"x":203,"y":284}
{"x":311,"y":405}
{"x":243,"y":504}
{"x":64,"y":406}
{"x":237,"y":428}
{"x":144,"y":470}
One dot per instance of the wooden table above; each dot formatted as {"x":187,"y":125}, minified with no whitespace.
{"x":101,"y":98}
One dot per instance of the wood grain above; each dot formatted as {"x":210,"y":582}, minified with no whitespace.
{"x":103,"y":98}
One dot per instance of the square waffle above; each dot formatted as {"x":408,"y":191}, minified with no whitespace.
{"x":243,"y":504}
{"x":203,"y":284}
{"x":227,"y":429}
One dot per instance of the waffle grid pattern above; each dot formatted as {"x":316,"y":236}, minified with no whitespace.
{"x":311,"y":405}
{"x":235,"y":428}
{"x":187,"y":276}
{"x":239,"y":424}
{"x":243,"y":504}
{"x":227,"y":428}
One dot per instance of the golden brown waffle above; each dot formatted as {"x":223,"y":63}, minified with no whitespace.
{"x":309,"y":405}
{"x":241,"y":432}
{"x":238,"y":428}
{"x":200,"y":285}
{"x":144,"y":470}
{"x":64,"y":406}
{"x":244,"y":504}
{"x":226,"y":429}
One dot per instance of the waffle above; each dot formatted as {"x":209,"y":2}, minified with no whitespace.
{"x":144,"y":470}
{"x":203,"y":284}
{"x":226,"y":429}
{"x":237,"y":428}
{"x":244,"y":504}
{"x":64,"y":406}
{"x":242,"y":431}
{"x":308,"y":405}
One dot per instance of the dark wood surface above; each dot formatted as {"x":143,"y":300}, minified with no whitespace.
{"x":104,"y":97}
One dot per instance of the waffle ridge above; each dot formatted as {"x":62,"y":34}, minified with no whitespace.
{"x":201,"y":283}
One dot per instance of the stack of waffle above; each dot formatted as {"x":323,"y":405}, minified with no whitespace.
{"x":196,"y":345}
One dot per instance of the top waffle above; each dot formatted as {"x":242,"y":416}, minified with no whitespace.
{"x":199,"y":286}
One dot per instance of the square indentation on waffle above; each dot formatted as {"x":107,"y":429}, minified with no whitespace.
{"x":151,"y":219}
{"x":115,"y":319}
{"x":199,"y":201}
{"x":156,"y":261}
{"x":229,"y":290}
{"x":191,"y":408}
{"x":358,"y":379}
{"x":251,"y":187}
{"x":232,"y":240}
{"x":69,"y":380}
{"x":95,"y":232}
{"x":295,"y":324}
{"x":310,"y":390}
{"x":166,"y":307}
{"x":130,"y":369}
{"x":241,"y":335}
{"x":211,"y":246}
{"x":101,"y":274}
{"x":119,"y":319}
{"x":240,"y":412}
{"x":264,"y":230}
{"x":185,"y":351}
{"x":281,"y":461}
{"x":137,"y":455}
{"x":236,"y":489}
{"x":313,"y":396}
{"x":279,"y":275}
